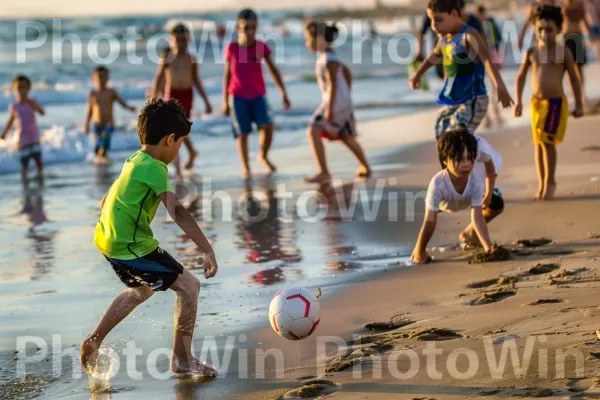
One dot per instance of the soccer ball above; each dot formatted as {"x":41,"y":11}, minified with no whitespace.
{"x":294,"y":313}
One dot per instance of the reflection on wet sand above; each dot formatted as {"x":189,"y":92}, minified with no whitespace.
{"x":264,"y":236}
{"x":42,"y":242}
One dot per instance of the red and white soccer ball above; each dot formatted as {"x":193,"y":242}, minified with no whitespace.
{"x":294,"y":313}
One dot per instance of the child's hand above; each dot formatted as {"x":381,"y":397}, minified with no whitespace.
{"x":226,"y":110}
{"x":208,"y":108}
{"x":286,"y":102}
{"x":131,"y":108}
{"x":415,"y":82}
{"x":578,"y":112}
{"x":518,"y":109}
{"x":420,"y":257}
{"x":504,"y":97}
{"x":210,"y":266}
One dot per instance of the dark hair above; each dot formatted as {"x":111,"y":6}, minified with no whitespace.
{"x":446,"y":6}
{"x":549,"y":13}
{"x":180,"y":28}
{"x":481,"y":9}
{"x":330,"y":32}
{"x":160,"y":118}
{"x":247,"y":14}
{"x":453,"y":143}
{"x":22,"y":78}
{"x":100,"y":68}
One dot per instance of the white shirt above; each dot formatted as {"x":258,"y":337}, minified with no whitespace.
{"x":343,"y":98}
{"x":441,"y":195}
{"x":486,"y":153}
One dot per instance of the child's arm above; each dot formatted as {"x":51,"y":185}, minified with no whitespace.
{"x":159,"y":81}
{"x":575,"y":83}
{"x":331,"y":78}
{"x":481,"y":48}
{"x":37,"y":107}
{"x":278,"y":81}
{"x":490,"y":183}
{"x":199,"y":87}
{"x":481,"y":228}
{"x":432,"y":59}
{"x":122,"y":102}
{"x":523,"y":31}
{"x":520,"y":82}
{"x":9,"y":123}
{"x":88,"y":114}
{"x":420,"y":255}
{"x":226,"y":81}
{"x":187,"y":223}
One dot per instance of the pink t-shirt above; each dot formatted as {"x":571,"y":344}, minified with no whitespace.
{"x":247,"y":79}
{"x":27,"y":132}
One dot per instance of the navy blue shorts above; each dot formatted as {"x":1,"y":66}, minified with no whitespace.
{"x":158,"y":270}
{"x":104,"y":135}
{"x":246,"y":112}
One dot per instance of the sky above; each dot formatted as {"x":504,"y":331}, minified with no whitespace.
{"x":66,"y":8}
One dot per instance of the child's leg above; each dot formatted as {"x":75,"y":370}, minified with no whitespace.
{"x":192,"y":150}
{"x":40,"y":169}
{"x":242,"y":146}
{"x":187,"y":287}
{"x":318,"y":149}
{"x":364,"y":171}
{"x":120,"y":308}
{"x":25,"y":171}
{"x":265,"y":140}
{"x":550,"y":160}
{"x":541,"y":171}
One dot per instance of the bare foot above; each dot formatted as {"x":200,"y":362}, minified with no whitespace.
{"x":246,"y":175}
{"x":89,"y":353}
{"x":363,"y":172}
{"x":469,"y":240}
{"x":539,"y":194}
{"x":268,"y":164}
{"x":190,"y":162}
{"x":320,"y":179}
{"x":550,"y":192}
{"x":196,"y":367}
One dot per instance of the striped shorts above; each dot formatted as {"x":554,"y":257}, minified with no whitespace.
{"x":467,"y":115}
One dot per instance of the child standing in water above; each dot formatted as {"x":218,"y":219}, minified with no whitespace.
{"x":244,"y":90}
{"x":334,"y":118}
{"x":100,"y":109}
{"x":124,"y":236}
{"x":178,"y":75}
{"x":27,"y":134}
{"x":549,"y":106}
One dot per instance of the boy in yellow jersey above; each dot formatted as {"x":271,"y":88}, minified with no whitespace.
{"x":549,"y":107}
{"x":124,"y":237}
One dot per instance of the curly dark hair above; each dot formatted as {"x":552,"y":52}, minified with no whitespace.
{"x":160,"y":118}
{"x":22,"y":78}
{"x":453,"y":143}
{"x":329,"y":32}
{"x":549,"y":13}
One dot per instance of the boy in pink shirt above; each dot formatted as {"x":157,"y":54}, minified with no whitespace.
{"x":244,"y":90}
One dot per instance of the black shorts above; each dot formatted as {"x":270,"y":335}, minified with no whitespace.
{"x":497,"y":203}
{"x":158,"y":270}
{"x":576,"y":43}
{"x":30,"y":151}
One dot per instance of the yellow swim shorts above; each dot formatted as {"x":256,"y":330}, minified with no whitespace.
{"x":549,"y":119}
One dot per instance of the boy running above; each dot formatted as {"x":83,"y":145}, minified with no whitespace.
{"x":465,"y":56}
{"x":549,"y":107}
{"x":178,"y":74}
{"x":467,"y":181}
{"x":100,"y":110}
{"x":244,"y":90}
{"x":123,"y":235}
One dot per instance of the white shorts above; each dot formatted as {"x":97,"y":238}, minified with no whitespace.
{"x":342,"y":126}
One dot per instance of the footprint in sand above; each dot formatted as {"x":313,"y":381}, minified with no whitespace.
{"x":395,"y":323}
{"x":534,"y":242}
{"x":540,"y":269}
{"x":493,"y":297}
{"x":544,"y":301}
{"x":312,"y":390}
{"x":500,"y":281}
{"x":558,"y":252}
{"x":434,"y":334}
{"x":591,"y":148}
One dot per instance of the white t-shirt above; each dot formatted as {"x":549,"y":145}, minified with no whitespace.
{"x":486,"y":153}
{"x":343,"y":98}
{"x":441,"y":195}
